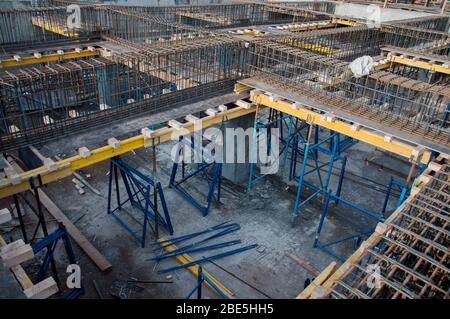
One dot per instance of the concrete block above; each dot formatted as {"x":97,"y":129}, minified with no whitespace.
{"x":37,"y":55}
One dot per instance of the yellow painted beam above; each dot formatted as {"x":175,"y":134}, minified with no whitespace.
{"x":363,"y":134}
{"x":311,"y":46}
{"x":67,"y":166}
{"x":299,"y":27}
{"x":48,"y":58}
{"x":53,"y":28}
{"x":346,"y":22}
{"x":426,"y":65}
{"x":185,"y":258}
{"x":319,"y":280}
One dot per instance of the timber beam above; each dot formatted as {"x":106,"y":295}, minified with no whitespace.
{"x":353,"y":130}
{"x":19,"y":182}
{"x":45,"y":58}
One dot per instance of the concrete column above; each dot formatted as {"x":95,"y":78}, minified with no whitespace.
{"x":238,"y":172}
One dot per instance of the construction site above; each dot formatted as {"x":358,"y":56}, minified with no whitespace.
{"x":114,"y":116}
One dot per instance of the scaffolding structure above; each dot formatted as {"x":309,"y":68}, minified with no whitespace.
{"x":125,"y":61}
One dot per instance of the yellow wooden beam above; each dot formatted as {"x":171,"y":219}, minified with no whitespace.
{"x":48,"y":58}
{"x":319,"y":280}
{"x":53,"y":28}
{"x":185,"y":258}
{"x":426,"y":65}
{"x":299,"y":27}
{"x":310,"y":46}
{"x":67,"y":166}
{"x":346,"y":22}
{"x":360,"y":133}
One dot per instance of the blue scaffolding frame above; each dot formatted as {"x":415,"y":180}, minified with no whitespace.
{"x":213,"y":182}
{"x":198,"y":287}
{"x":357,"y":237}
{"x":50,"y":242}
{"x":302,"y":146}
{"x":136,"y":185}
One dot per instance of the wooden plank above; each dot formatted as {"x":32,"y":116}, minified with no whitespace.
{"x":185,"y":258}
{"x":10,"y":246}
{"x":304,"y":264}
{"x":42,"y":290}
{"x":99,"y":260}
{"x":18,"y":255}
{"x":319,"y":280}
{"x":18,"y":271}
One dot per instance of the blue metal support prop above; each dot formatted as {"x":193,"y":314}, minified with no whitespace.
{"x":50,"y":242}
{"x":200,"y":279}
{"x":394,"y":183}
{"x":213,"y":182}
{"x":175,"y":240}
{"x":310,"y":151}
{"x":206,"y":259}
{"x":357,"y":238}
{"x":225,"y":230}
{"x":137,"y":185}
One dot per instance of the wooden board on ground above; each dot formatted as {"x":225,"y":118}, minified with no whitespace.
{"x":99,"y":260}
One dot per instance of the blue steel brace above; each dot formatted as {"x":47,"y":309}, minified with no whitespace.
{"x":50,"y":243}
{"x":213,"y":181}
{"x":400,"y":187}
{"x":136,"y":185}
{"x":198,"y":287}
{"x":357,"y":237}
{"x":312,"y":151}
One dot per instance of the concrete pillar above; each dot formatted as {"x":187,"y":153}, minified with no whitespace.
{"x":238,"y":172}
